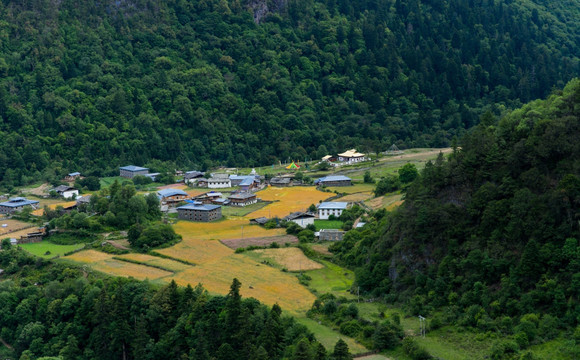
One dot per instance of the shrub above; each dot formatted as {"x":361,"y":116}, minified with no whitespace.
{"x":414,"y":351}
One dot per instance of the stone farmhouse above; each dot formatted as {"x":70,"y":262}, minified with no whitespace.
{"x":131,"y":171}
{"x":243,"y":199}
{"x":16,"y":204}
{"x":333,"y":180}
{"x":199,"y":212}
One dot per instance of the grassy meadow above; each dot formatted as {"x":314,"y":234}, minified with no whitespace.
{"x":41,"y":249}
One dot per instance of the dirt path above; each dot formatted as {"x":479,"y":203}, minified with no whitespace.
{"x":420,"y":155}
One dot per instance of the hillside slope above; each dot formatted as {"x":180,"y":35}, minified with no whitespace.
{"x":93,"y":85}
{"x":491,"y":232}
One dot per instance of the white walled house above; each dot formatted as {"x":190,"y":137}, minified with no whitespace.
{"x":301,"y":218}
{"x":326,"y":209}
{"x":67,"y":192}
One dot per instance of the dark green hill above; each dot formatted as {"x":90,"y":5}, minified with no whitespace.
{"x":96,"y":84}
{"x":492,"y":231}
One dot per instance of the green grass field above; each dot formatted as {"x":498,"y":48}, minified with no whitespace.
{"x":328,"y":224}
{"x":331,"y":279}
{"x":242,"y":210}
{"x":40,"y":249}
{"x":328,"y":337}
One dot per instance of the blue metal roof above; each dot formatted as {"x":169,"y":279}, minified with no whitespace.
{"x":333,"y":205}
{"x":334,"y":178}
{"x":205,"y":207}
{"x":74,"y":173}
{"x":133,"y":168}
{"x":16,"y":202}
{"x":171,"y":192}
{"x":247,"y":182}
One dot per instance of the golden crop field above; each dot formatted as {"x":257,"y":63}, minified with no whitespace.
{"x":123,"y":268}
{"x":362,"y":196}
{"x":105,"y":263}
{"x":40,"y":211}
{"x":269,"y":285}
{"x":12,"y":226}
{"x":389,"y":202}
{"x":168,"y":264}
{"x":292,"y":259}
{"x":288,"y":200}
{"x":89,"y":256}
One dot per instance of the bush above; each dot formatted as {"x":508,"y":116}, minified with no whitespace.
{"x":522,"y":340}
{"x":415,"y":351}
{"x":306,"y":236}
{"x":351,"y":328}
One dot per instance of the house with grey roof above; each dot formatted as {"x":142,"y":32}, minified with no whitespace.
{"x":333,"y":180}
{"x":243,"y":199}
{"x":219,"y":181}
{"x":281,"y":181}
{"x":335,"y":208}
{"x":67,"y":192}
{"x":16,"y":204}
{"x":303,"y":219}
{"x":199,"y":212}
{"x":172,"y":196}
{"x":131,"y":171}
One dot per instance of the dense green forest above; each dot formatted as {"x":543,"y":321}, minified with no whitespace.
{"x":488,"y":238}
{"x":49,"y":309}
{"x":92,"y":85}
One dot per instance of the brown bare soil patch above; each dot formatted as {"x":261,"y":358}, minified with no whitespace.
{"x":260,"y":241}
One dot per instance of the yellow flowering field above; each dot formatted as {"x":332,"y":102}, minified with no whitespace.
{"x":168,"y":264}
{"x":123,"y":268}
{"x":40,"y":211}
{"x":269,"y":285}
{"x":293,"y":259}
{"x":288,"y":200}
{"x":89,"y":256}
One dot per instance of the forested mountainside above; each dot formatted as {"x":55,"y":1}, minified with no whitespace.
{"x":95,"y":84}
{"x":491,"y":232}
{"x":48,"y":309}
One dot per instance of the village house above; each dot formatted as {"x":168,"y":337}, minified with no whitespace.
{"x":330,"y":235}
{"x":326,"y":209}
{"x":303,"y":219}
{"x":208,"y":198}
{"x":201,"y":182}
{"x":351,"y":156}
{"x":16,"y":204}
{"x":65,"y":191}
{"x":218,"y":181}
{"x":199,"y":212}
{"x":191,"y":177}
{"x":333,"y":180}
{"x":152,"y":176}
{"x":131,"y":171}
{"x":281,"y":181}
{"x":259,"y":221}
{"x":243,"y":199}
{"x":172,"y":196}
{"x":83,"y":200}
{"x":72,"y":176}
{"x":32,"y":237}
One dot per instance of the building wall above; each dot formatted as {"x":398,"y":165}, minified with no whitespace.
{"x":131,"y":174}
{"x":303,"y":223}
{"x":337,"y":183}
{"x":331,"y":236}
{"x":10,"y":210}
{"x":219,"y":184}
{"x":199,"y":215}
{"x":323,"y":214}
{"x":69,"y":194}
{"x":246,"y":202}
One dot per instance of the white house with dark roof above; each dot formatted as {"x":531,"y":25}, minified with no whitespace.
{"x":243,"y":199}
{"x":67,"y":192}
{"x":303,"y":219}
{"x":16,"y":204}
{"x":335,"y":208}
{"x":131,"y":171}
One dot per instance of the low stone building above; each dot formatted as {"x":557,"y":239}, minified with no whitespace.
{"x":326,"y":209}
{"x":199,"y":212}
{"x":131,"y":171}
{"x":330,"y":235}
{"x":334,"y":180}
{"x":243,"y":199}
{"x":16,"y":204}
{"x":281,"y":181}
{"x":303,"y":219}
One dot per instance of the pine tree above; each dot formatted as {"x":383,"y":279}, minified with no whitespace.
{"x":341,"y":351}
